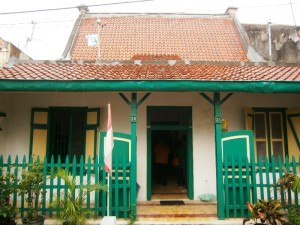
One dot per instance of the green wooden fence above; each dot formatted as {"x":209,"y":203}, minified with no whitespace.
{"x":249,"y":181}
{"x":90,"y":171}
{"x":243,"y":181}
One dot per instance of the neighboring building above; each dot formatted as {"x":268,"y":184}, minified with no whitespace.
{"x":164,"y":75}
{"x":10,"y":52}
{"x":285,"y":47}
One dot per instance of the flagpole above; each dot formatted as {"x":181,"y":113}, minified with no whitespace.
{"x":108,"y":147}
{"x":108,"y":184}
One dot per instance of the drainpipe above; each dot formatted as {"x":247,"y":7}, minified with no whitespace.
{"x":270,"y":42}
{"x":98,"y":34}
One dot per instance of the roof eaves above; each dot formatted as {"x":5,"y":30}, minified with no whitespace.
{"x":149,"y":86}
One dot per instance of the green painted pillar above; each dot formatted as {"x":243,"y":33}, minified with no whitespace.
{"x":133,"y":120}
{"x":218,"y":150}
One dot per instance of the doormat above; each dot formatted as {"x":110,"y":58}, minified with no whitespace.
{"x":172,"y":202}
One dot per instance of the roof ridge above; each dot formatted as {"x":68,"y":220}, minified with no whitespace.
{"x":142,"y":62}
{"x":93,"y":14}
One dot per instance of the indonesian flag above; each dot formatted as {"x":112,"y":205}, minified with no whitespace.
{"x":108,"y":144}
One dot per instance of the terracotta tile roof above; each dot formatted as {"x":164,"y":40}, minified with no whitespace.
{"x":72,"y":71}
{"x":189,"y":38}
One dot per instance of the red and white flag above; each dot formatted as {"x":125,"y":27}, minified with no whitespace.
{"x":108,"y":144}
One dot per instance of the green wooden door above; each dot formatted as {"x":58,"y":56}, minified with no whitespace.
{"x":119,"y":190}
{"x":237,"y":150}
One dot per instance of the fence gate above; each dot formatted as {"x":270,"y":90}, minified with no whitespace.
{"x":237,"y":150}
{"x":120,"y":179}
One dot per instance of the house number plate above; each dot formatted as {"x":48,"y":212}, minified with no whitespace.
{"x":218,"y":119}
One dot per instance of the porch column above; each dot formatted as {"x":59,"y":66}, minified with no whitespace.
{"x":218,"y":149}
{"x":133,"y":120}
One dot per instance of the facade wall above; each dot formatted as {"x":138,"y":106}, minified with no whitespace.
{"x":285,"y":42}
{"x":15,"y":134}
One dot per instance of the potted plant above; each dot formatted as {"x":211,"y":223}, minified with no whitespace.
{"x":31,"y":185}
{"x":8,"y":212}
{"x":266,"y":212}
{"x":72,"y":210}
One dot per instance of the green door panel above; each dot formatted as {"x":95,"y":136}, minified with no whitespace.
{"x":237,"y":147}
{"x":237,"y":144}
{"x":120,"y":184}
{"x":122,"y":146}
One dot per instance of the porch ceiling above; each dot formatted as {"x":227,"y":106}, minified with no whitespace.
{"x":70,"y":76}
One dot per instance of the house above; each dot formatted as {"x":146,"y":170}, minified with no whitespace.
{"x":169,"y":76}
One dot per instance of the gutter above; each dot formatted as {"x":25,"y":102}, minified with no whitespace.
{"x":149,"y":86}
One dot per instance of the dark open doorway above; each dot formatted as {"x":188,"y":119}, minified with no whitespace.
{"x":169,"y":180}
{"x":169,"y":164}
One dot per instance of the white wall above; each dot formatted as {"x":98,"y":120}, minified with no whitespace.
{"x":14,"y":138}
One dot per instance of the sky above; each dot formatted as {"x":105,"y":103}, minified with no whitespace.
{"x":43,"y":35}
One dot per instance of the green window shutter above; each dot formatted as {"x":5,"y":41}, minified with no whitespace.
{"x":293,"y":132}
{"x":39,"y":132}
{"x":92,"y":127}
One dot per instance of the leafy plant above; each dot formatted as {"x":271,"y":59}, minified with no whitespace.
{"x":31,"y":185}
{"x":293,"y":216}
{"x":269,"y":211}
{"x":132,"y":214}
{"x":73,"y":211}
{"x":290,"y":181}
{"x":8,"y":212}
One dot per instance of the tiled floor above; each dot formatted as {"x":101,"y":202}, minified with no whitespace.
{"x":190,"y":211}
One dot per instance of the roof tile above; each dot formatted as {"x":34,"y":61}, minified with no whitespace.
{"x":73,"y":71}
{"x":131,"y":37}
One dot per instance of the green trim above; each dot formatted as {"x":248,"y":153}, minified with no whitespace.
{"x":93,"y":127}
{"x":289,"y":117}
{"x":125,"y":98}
{"x":38,"y":126}
{"x":133,"y":171}
{"x":207,"y":98}
{"x":143,"y":99}
{"x":285,"y":138}
{"x":212,"y":101}
{"x":149,"y":160}
{"x":46,"y":127}
{"x":190,"y":164}
{"x":226,"y":97}
{"x":151,"y":85}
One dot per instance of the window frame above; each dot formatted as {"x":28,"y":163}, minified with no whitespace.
{"x":94,"y":127}
{"x":269,"y":146}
